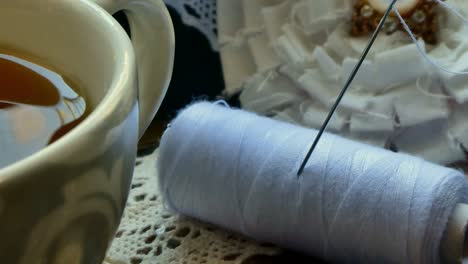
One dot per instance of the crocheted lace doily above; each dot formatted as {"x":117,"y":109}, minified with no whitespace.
{"x":148,"y":234}
{"x":200,"y":14}
{"x":290,"y":58}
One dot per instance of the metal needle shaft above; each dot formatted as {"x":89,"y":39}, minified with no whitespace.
{"x":347,"y":85}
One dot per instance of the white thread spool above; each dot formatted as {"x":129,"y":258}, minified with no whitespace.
{"x":353,"y":204}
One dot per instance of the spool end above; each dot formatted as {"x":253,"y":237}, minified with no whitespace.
{"x":454,"y":245}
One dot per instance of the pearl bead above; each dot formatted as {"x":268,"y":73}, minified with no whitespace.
{"x":418,"y":17}
{"x":390,"y":26}
{"x":367,"y":11}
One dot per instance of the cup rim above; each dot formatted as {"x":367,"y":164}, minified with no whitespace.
{"x":126,"y":63}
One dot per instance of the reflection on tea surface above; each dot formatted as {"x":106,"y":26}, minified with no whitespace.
{"x":37,"y":107}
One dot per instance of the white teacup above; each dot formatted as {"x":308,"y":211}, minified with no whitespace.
{"x":64,"y":203}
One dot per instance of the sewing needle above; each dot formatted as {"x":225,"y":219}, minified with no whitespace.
{"x":346,"y":86}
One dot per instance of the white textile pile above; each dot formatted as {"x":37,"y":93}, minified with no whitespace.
{"x":290,"y":58}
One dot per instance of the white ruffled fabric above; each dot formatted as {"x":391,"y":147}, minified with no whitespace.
{"x":290,"y":58}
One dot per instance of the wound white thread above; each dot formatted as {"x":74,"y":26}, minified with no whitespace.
{"x":353,"y":204}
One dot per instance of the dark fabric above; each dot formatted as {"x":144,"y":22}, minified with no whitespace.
{"x":197,"y":70}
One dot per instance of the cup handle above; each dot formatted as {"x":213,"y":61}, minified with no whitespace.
{"x":153,"y":41}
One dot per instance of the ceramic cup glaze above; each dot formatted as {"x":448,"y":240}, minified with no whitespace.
{"x":64,"y":203}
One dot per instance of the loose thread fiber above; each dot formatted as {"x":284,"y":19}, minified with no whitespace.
{"x":421,"y":50}
{"x":353,"y":204}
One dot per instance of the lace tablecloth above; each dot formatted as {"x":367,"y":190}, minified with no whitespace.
{"x":150,"y":234}
{"x":200,"y":14}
